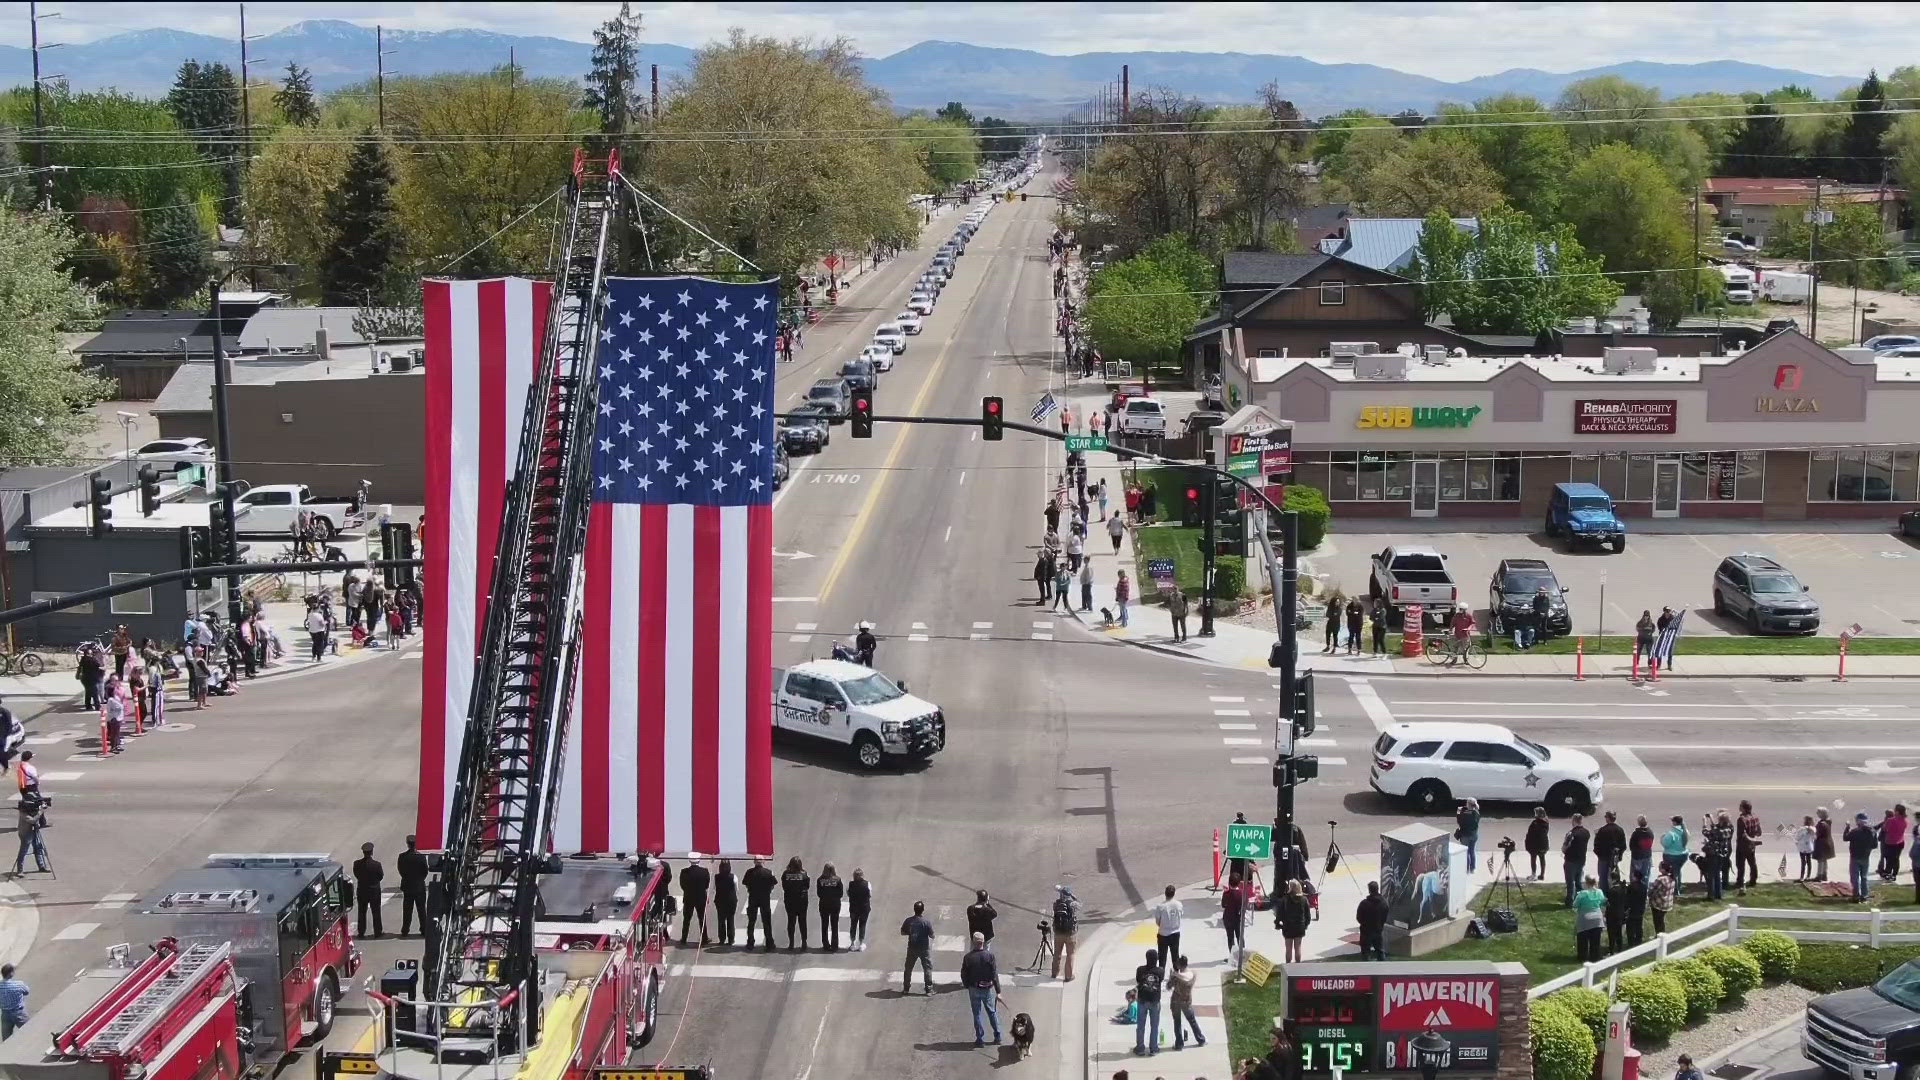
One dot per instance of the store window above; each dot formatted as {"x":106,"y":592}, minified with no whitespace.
{"x":1399,"y":475}
{"x":1372,"y":474}
{"x":1310,"y":468}
{"x":1506,"y":476}
{"x":132,"y":603}
{"x":1453,"y":476}
{"x":1879,"y":475}
{"x":1344,"y":478}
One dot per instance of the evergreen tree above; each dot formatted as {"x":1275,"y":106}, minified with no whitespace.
{"x":612,"y":91}
{"x":15,"y":189}
{"x":1860,"y":147}
{"x":178,"y":257}
{"x":1762,"y":146}
{"x":360,"y":265}
{"x":205,"y":101}
{"x":295,"y":97}
{"x":955,"y":112}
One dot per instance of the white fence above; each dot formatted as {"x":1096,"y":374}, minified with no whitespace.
{"x":1731,"y":924}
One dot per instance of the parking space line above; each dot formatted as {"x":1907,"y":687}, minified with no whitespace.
{"x":1370,"y":703}
{"x":1630,"y":764}
{"x":76,"y":931}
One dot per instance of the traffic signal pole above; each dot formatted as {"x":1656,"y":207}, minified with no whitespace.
{"x":1286,"y":655}
{"x":1210,"y":506}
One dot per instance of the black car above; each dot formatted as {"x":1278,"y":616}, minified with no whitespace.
{"x":1909,"y":524}
{"x":1515,"y":583}
{"x":1764,"y":595}
{"x":1775,"y":326}
{"x":859,"y":374}
{"x":807,"y":430}
{"x":782,"y":468}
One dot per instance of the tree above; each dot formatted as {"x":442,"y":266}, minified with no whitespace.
{"x":613,"y":80}
{"x":1860,"y":141}
{"x":1259,"y":160}
{"x":956,"y":113}
{"x":999,"y":139}
{"x":1625,"y":209}
{"x":178,"y":257}
{"x":1440,"y":265}
{"x":15,"y":189}
{"x":1610,"y":109}
{"x":1331,"y":140}
{"x":1140,"y":309}
{"x":292,"y":174}
{"x":1169,"y":181}
{"x":205,"y":102}
{"x":1531,"y":158}
{"x":360,"y":264}
{"x":1440,"y":170}
{"x":43,"y":412}
{"x":1762,"y":146}
{"x":295,"y":97}
{"x":1510,"y":277}
{"x":1853,"y":245}
{"x":947,"y":150}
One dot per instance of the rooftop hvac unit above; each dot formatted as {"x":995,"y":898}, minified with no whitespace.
{"x":1343,"y":352}
{"x":1436,"y":354}
{"x":1407,"y":348}
{"x":400,"y":363}
{"x":1380,"y":366}
{"x":1619,"y":361}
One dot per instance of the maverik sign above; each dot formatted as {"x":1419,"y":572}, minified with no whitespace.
{"x":1464,"y":1008}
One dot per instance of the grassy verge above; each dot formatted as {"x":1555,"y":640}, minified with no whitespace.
{"x":1181,"y":543}
{"x":1249,"y":1011}
{"x":1545,"y":941}
{"x":1703,"y":645}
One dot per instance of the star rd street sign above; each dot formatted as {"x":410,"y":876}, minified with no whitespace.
{"x":1086,"y":442}
{"x":1249,"y":841}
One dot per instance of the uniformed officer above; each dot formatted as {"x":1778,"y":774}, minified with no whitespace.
{"x":759,"y":882}
{"x":412,"y":865}
{"x":367,"y":873}
{"x":726,"y":900}
{"x":694,"y":879}
{"x":795,"y":885}
{"x":864,"y":644}
{"x":830,"y":890}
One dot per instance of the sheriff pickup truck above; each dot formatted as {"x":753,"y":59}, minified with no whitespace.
{"x":856,"y":707}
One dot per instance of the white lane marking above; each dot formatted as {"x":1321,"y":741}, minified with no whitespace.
{"x":1043,"y":624}
{"x":949,"y":536}
{"x":799,"y":637}
{"x":1042,"y":637}
{"x":1788,"y":749}
{"x":1247,"y":761}
{"x":1333,"y":761}
{"x":795,"y":599}
{"x":76,"y":931}
{"x":950,"y":943}
{"x":1243,"y":742}
{"x":1227,"y":700}
{"x":1558,"y":704}
{"x":1317,"y":742}
{"x":61,"y":775}
{"x":1636,"y":771}
{"x":1494,"y":718}
{"x":918,"y":637}
{"x":1232,"y":712}
{"x":946,"y":912}
{"x":115,"y":901}
{"x":1237,"y":727}
{"x":806,"y":626}
{"x":1370,"y":703}
{"x":963,"y":476}
{"x":983,"y":626}
{"x":919,"y":626}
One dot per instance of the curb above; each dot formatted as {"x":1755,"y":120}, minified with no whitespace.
{"x":1721,"y":1057}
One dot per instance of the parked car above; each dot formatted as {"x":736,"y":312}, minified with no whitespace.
{"x":1414,"y":575}
{"x":1515,"y":583}
{"x":920,"y":305}
{"x":178,"y":453}
{"x":782,"y":467}
{"x":834,"y":394}
{"x":1869,"y":1031}
{"x":1436,"y":764}
{"x":1200,"y":420}
{"x":276,"y":508}
{"x":1898,"y":352}
{"x":1775,"y":326}
{"x":1132,"y":388}
{"x":805,"y":429}
{"x":1583,"y":513}
{"x":1735,"y":244}
{"x":1765,"y":595}
{"x":1890,"y":341}
{"x":879,"y":355}
{"x":1909,"y":523}
{"x":1143,"y":416}
{"x":859,"y":375}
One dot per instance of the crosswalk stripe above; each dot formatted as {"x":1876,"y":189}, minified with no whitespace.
{"x":1042,"y":637}
{"x":1241,"y":742}
{"x":983,"y":626}
{"x":917,"y":637}
{"x":1227,"y":700}
{"x":1236,"y":727}
{"x":806,"y":626}
{"x":1247,"y":761}
{"x":1333,"y":761}
{"x":1232,"y":712}
{"x":1318,"y":742}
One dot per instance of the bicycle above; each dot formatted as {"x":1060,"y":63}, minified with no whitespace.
{"x":28,"y":664}
{"x":1440,"y":653}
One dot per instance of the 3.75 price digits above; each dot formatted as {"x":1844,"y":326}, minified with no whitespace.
{"x":1345,"y":1055}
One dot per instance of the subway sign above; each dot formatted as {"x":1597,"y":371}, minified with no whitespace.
{"x":1417,"y":416}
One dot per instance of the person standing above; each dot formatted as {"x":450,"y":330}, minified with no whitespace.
{"x":695,"y":880}
{"x":1076,"y":544}
{"x":759,"y":882}
{"x":1636,"y":910}
{"x":1717,"y":847}
{"x":1147,"y":980}
{"x":113,"y":712}
{"x":1542,"y":611}
{"x":13,"y":1002}
{"x":30,"y":821}
{"x":980,"y":974}
{"x":1616,"y":914}
{"x":1538,"y":843}
{"x":1180,"y":1004}
{"x":980,"y":916}
{"x":1893,"y":841}
{"x":795,"y":884}
{"x":1043,"y":574}
{"x":1066,"y":923}
{"x":122,"y":648}
{"x":1660,"y":895}
{"x":1086,"y":585}
{"x":859,"y":906}
{"x":1640,"y":850}
{"x":316,"y":625}
{"x":1052,"y":514}
{"x":1294,"y":916}
{"x":199,"y":675}
{"x":1589,"y":918}
{"x":411,"y":865}
{"x":1685,"y":1069}
{"x":88,"y":672}
{"x":1803,"y":846}
{"x":1062,"y":582}
{"x":367,"y":874}
{"x":1167,"y":917}
{"x":830,"y":891}
{"x":1746,"y":843}
{"x":1674,"y":844}
{"x":1573,"y":857}
{"x":1861,"y":843}
{"x":1913,"y":857}
{"x":1371,"y":916}
{"x":1822,"y":840}
{"x":919,"y":934}
{"x":1100,"y":493}
{"x":1116,"y":529}
{"x":1177,"y":607}
{"x":1233,"y":916}
{"x":1609,"y":844}
{"x":1335,"y":605}
{"x":1377,"y":622}
{"x":1467,"y":829}
{"x":726,"y":900}
{"x":1643,"y":632}
{"x":1122,"y":592}
{"x":1356,"y":616}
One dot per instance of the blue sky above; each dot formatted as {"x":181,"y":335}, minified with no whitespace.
{"x":1446,"y":41}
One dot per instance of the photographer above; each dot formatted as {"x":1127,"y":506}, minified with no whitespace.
{"x":1467,"y":831}
{"x":32,"y":820}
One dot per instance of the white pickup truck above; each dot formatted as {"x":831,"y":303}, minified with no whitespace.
{"x":274,"y":508}
{"x":856,"y":707}
{"x":1415,"y":575}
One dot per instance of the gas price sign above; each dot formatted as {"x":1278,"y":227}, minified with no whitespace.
{"x":1367,"y":1022}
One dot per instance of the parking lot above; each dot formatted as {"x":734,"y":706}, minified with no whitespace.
{"x":1866,"y":577}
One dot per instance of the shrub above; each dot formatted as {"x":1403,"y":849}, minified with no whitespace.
{"x":1735,"y":965}
{"x":1779,"y":955}
{"x":1311,"y":504}
{"x":1826,"y":968}
{"x":1229,"y":576}
{"x":1704,"y":986}
{"x":1563,"y":1048}
{"x":1587,"y":1006}
{"x":1658,"y":1003}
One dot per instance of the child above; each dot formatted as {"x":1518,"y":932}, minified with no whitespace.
{"x":1130,"y":1012}
{"x":1803,"y":843}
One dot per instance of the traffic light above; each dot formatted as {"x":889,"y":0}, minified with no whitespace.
{"x":1192,"y":506}
{"x":221,"y":543}
{"x":992,"y":419}
{"x":149,"y":490}
{"x":1293,"y":771}
{"x":862,"y":416}
{"x":396,"y":542}
{"x":1304,"y":721}
{"x":99,"y":513}
{"x":196,"y":550}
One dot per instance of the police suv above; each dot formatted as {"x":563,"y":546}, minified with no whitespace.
{"x":856,"y":707}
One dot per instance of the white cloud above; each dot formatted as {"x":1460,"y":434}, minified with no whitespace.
{"x":1446,"y":41}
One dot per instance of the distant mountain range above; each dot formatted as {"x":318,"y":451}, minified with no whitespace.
{"x":1011,"y":83}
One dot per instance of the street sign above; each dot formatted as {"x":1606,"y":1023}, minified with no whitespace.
{"x":1086,"y":442}
{"x":1246,"y":841}
{"x":1256,"y":968}
{"x":831,"y":262}
{"x":1161,"y":571}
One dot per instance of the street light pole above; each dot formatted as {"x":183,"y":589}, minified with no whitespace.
{"x":223,"y":455}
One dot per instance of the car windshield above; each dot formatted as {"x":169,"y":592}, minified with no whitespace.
{"x":1901,"y":985}
{"x":1529,"y":581}
{"x":871,"y":690}
{"x":1143,"y":405}
{"x":855,"y":367}
{"x":1590,"y":502}
{"x":1534,"y":750}
{"x":824,"y":392}
{"x":1775,"y":583}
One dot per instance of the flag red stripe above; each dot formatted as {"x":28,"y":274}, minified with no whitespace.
{"x":650,"y":678}
{"x":430,"y":818}
{"x":706,"y":678}
{"x":759,"y":808}
{"x":493,"y":468}
{"x":598,"y":669}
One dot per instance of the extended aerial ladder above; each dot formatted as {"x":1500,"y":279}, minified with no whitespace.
{"x":500,"y":823}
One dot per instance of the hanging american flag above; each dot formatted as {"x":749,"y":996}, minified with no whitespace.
{"x":671,"y":744}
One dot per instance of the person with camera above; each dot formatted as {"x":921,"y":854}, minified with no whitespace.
{"x":980,"y":915}
{"x":1467,"y":829}
{"x":1066,"y":920}
{"x":1537,"y":843}
{"x":32,"y":821}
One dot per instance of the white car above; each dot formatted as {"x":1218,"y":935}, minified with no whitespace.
{"x":921,"y":304}
{"x":890,"y":335}
{"x":1435,"y":765}
{"x":858,"y":708}
{"x":1143,"y":416}
{"x":929,"y":283}
{"x":942,"y":273}
{"x":911,"y":321}
{"x":178,"y":453}
{"x":881,"y":357}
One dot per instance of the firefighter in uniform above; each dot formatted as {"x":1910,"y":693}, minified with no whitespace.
{"x":759,"y":882}
{"x":412,"y":866}
{"x":694,"y":880}
{"x":367,"y":873}
{"x":795,"y":885}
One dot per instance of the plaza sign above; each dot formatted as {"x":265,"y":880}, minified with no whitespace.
{"x":1417,"y":416}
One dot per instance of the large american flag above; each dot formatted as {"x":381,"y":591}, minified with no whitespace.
{"x":671,"y":748}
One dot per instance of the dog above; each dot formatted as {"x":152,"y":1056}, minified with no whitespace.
{"x":1022,"y":1032}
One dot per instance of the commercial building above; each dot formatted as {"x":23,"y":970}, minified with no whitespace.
{"x":1759,"y":206}
{"x":1785,"y":431}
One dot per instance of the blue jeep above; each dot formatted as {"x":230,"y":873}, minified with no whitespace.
{"x":1584,"y":513}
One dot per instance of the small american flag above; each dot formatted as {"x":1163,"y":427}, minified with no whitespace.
{"x":672,"y":739}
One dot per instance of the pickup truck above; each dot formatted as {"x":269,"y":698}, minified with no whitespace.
{"x":856,"y":707}
{"x":1415,"y":575}
{"x":274,"y":508}
{"x":1871,"y":1033}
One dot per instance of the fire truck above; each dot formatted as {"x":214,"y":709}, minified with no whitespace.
{"x":252,"y":953}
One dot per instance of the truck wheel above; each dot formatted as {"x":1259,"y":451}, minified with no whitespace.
{"x":322,"y":529}
{"x":1548,"y":528}
{"x":866,"y":750}
{"x":1566,"y":798}
{"x":1428,"y":796}
{"x":1619,"y":544}
{"x":1497,"y":624}
{"x":324,"y":1000}
{"x":649,"y":1012}
{"x":1719,"y":603}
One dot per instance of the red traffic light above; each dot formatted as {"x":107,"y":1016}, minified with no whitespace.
{"x":860,"y":403}
{"x":993,"y":405}
{"x":1193,"y":493}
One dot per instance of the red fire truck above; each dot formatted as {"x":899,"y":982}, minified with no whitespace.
{"x":252,"y":953}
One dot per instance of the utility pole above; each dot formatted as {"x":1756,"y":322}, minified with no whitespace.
{"x":653,"y":109}
{"x":223,"y":458}
{"x":1695,"y":261}
{"x":39,"y":115}
{"x":380,"y":75}
{"x":1813,"y":265}
{"x":246,"y":108}
{"x":1289,"y":653}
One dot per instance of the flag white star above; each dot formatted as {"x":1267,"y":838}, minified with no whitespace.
{"x":754,"y":482}
{"x":666,"y":318}
{"x":759,"y":337}
{"x":718,"y":448}
{"x":606,"y":445}
{"x":700,"y":355}
{"x":699,"y":465}
{"x":666,"y":428}
{"x":626,"y":391}
{"x":719,"y":483}
{"x":681,"y":370}
{"x":756,"y":447}
{"x":739,"y":393}
{"x":663,"y":464}
{"x":759,"y":303}
{"x":723,"y":303}
{"x":681,"y":406}
{"x":646,"y":373}
{"x":646,"y":482}
{"x":606,"y":481}
{"x":740,"y":322}
{"x":606,"y":334}
{"x":626,"y":318}
{"x":606,"y":409}
{"x":720,"y":373}
{"x":646,"y":337}
{"x":645,"y":446}
{"x":626,"y":427}
{"x":645,"y":409}
{"x":700,"y":392}
{"x":739,"y":359}
{"x":606,"y":372}
{"x":699,"y":429}
{"x":684,"y":333}
{"x":720,"y":338}
{"x":626,"y":356}
{"x":702,"y":319}
{"x":680,"y":479}
{"x":739,"y":430}
{"x":665,"y":390}
{"x":666,"y":356}
{"x":626,"y":464}
{"x":686,"y":298}
{"x":739,"y":467}
{"x":646,"y":301}
{"x":758,"y":410}
{"x":759,"y":375}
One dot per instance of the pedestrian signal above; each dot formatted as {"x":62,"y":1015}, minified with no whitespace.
{"x":992,"y":419}
{"x":862,"y":416}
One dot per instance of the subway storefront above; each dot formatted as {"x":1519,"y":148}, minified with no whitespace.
{"x":1786,"y":431}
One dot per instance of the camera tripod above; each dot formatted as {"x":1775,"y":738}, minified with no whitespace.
{"x":1508,"y":879}
{"x":1043,"y":956}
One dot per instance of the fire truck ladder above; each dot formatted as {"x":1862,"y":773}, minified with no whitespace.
{"x":499,"y":824}
{"x":124,"y":1027}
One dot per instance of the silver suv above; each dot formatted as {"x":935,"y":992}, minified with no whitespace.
{"x":1765,"y":595}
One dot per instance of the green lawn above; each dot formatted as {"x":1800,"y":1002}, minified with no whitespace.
{"x":1703,"y":645}
{"x":1181,"y":543}
{"x":1249,"y":1011}
{"x":1544,"y":942}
